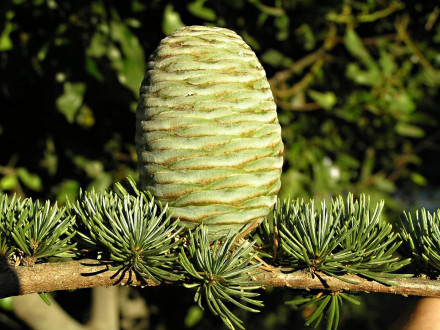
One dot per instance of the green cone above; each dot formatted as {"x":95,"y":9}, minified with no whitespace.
{"x":207,"y":134}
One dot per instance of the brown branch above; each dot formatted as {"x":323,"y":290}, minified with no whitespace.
{"x":39,"y":316}
{"x":401,"y":28}
{"x":347,"y":18}
{"x":301,"y":64}
{"x":415,"y":286}
{"x":71,"y":275}
{"x":90,"y":273}
{"x":281,"y":76}
{"x":303,"y":83}
{"x":318,"y":60}
{"x":432,"y":18}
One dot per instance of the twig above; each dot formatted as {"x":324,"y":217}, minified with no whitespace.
{"x":432,"y":18}
{"x":401,"y":25}
{"x":90,"y":273}
{"x":301,"y":64}
{"x":375,"y":40}
{"x":415,"y":286}
{"x":48,"y":277}
{"x":363,"y":18}
{"x":319,"y":61}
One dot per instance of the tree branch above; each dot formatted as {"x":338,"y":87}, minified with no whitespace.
{"x":48,"y":277}
{"x":104,"y":313}
{"x":39,"y":316}
{"x":300,"y":279}
{"x":401,"y":25}
{"x":91,"y":273}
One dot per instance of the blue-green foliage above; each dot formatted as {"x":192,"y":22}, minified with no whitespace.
{"x":344,"y":237}
{"x":421,"y":236}
{"x":33,"y":231}
{"x":327,"y":304}
{"x":132,"y":231}
{"x":356,"y":85}
{"x":222,"y":273}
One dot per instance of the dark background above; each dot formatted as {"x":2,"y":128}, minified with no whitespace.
{"x":356,"y":83}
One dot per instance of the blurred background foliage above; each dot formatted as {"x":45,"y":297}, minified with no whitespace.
{"x":356,"y":83}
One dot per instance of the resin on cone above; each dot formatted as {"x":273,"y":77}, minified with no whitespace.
{"x":207,"y":133}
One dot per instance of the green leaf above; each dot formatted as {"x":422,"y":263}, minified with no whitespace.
{"x":85,"y":116}
{"x":171,"y":20}
{"x":387,"y":63}
{"x":193,"y":316}
{"x":418,"y":179}
{"x":30,"y":180}
{"x":129,"y":60}
{"x":272,"y":11}
{"x":5,"y":40}
{"x":197,"y":9}
{"x":102,"y":182}
{"x":354,"y":45}
{"x":42,"y":53}
{"x":71,"y":100}
{"x":6,"y":304}
{"x":251,"y":41}
{"x":93,"y":168}
{"x":305,"y":32}
{"x":8,"y":182}
{"x":362,"y":77}
{"x":276,"y":59}
{"x":43,"y":296}
{"x":404,"y":103}
{"x":282,"y":23}
{"x":93,"y":70}
{"x":68,"y":190}
{"x":409,"y":130}
{"x":132,"y":22}
{"x":98,"y":45}
{"x":326,"y":99}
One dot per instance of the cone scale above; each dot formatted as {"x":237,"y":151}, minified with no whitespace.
{"x":207,"y":134}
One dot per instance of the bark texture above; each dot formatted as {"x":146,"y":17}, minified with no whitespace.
{"x":91,"y":273}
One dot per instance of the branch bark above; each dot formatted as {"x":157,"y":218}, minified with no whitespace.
{"x":87,"y":273}
{"x":48,"y":277}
